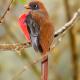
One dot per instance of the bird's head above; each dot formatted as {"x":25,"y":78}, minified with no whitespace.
{"x":37,"y":7}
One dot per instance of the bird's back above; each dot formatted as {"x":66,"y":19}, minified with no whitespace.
{"x":46,"y":30}
{"x":46,"y":35}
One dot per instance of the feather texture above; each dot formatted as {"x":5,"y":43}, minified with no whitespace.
{"x":34,"y":31}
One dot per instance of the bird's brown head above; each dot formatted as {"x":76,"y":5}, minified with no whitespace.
{"x":37,"y":7}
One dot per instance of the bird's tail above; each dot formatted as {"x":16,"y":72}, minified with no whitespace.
{"x":44,"y":67}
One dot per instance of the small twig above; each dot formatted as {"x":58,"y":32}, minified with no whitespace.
{"x":67,"y":25}
{"x":14,"y":47}
{"x":8,"y":8}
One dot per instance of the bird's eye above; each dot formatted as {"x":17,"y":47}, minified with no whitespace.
{"x":34,"y":6}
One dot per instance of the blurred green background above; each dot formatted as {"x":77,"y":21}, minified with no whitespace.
{"x":64,"y":63}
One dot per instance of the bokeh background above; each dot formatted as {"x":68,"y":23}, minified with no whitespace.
{"x":64,"y":62}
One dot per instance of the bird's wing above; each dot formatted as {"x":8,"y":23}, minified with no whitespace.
{"x":34,"y":30}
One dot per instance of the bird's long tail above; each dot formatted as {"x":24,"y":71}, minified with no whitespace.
{"x":44,"y":68}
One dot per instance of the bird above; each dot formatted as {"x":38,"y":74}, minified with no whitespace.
{"x":39,"y":26}
{"x":39,"y":30}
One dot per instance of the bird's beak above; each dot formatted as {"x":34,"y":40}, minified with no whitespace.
{"x":27,"y":6}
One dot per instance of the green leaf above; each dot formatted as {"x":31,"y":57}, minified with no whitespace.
{"x":22,"y":1}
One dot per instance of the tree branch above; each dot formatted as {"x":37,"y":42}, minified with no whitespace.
{"x":13,"y":47}
{"x":67,"y":25}
{"x":8,"y":8}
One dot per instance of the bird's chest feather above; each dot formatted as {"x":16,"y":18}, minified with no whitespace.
{"x":41,"y":32}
